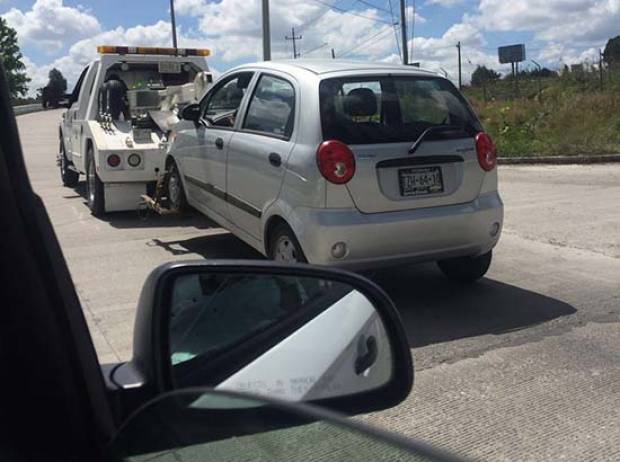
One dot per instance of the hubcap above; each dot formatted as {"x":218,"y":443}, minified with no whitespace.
{"x":285,"y":250}
{"x":91,"y":183}
{"x":174,"y":191}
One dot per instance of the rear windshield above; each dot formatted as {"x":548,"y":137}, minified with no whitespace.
{"x":389,"y":109}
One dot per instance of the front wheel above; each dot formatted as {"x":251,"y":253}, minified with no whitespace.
{"x":69,"y":177}
{"x":284,"y":246}
{"x":177,"y":200}
{"x":94,"y":187}
{"x":466,"y":269}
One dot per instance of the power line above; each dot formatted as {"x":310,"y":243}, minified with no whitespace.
{"x":314,"y":49}
{"x":346,"y":52}
{"x":342,"y":10}
{"x":319,"y":16}
{"x":394,"y":27}
{"x":372,"y":6}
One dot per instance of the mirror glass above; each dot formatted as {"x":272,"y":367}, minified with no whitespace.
{"x":194,"y":425}
{"x":297,"y":338}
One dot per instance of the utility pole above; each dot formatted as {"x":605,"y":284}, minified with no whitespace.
{"x":539,"y":67}
{"x":266,"y":32}
{"x":294,"y":38}
{"x":458,"y":47}
{"x":333,"y":54}
{"x":600,"y":66}
{"x":174,"y":24}
{"x":403,"y":31}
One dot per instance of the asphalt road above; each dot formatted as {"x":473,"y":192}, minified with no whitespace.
{"x":524,"y":365}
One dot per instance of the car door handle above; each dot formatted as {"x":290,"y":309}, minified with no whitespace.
{"x":275,"y":159}
{"x":219,"y":143}
{"x":368,"y":357}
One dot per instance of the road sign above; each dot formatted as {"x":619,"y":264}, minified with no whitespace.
{"x":511,"y":54}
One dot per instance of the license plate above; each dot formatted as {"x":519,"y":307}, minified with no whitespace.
{"x":169,"y":67}
{"x":420,"y":181}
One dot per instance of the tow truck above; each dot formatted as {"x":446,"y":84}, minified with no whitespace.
{"x":119,"y":117}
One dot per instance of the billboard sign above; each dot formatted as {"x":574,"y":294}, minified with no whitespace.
{"x":511,"y":54}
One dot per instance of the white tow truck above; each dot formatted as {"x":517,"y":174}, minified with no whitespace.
{"x":119,"y":117}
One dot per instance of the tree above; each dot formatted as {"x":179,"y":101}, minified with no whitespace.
{"x":611,"y":55}
{"x":483,"y":74}
{"x":57,"y":85}
{"x":12,"y":60}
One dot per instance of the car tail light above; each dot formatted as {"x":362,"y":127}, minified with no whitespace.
{"x":336,"y":161}
{"x":114,"y":160}
{"x":487,"y":152}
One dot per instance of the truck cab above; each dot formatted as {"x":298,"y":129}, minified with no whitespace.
{"x":119,"y":116}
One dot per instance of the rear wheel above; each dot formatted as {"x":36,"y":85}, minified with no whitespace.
{"x":466,"y":269}
{"x":94,"y":187}
{"x":69,"y":177}
{"x":177,"y":200}
{"x":284,"y":246}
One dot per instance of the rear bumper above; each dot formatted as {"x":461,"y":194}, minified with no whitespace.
{"x":152,"y":163}
{"x":393,"y":238}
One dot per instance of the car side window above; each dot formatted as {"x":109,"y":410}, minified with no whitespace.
{"x":272,"y":107}
{"x":222,"y":105}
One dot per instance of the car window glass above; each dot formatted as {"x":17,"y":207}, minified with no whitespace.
{"x":271,"y":109}
{"x":389,"y":109}
{"x":222,"y":105}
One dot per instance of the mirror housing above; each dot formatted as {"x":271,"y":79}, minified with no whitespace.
{"x":191,"y":112}
{"x":151,"y":366}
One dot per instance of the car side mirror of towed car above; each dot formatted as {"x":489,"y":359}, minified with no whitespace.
{"x":292,"y":332}
{"x":191,"y":112}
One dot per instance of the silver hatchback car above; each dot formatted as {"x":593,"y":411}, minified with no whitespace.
{"x":350,"y":164}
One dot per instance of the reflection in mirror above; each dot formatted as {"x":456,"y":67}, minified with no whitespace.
{"x":294,"y":337}
{"x":193,"y":425}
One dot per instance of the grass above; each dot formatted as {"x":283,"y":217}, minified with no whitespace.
{"x":572,"y":117}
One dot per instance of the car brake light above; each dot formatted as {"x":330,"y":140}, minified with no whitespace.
{"x":114,"y":160}
{"x":336,"y":161}
{"x":487,"y":152}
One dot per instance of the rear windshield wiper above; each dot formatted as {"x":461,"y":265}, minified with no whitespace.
{"x":440,"y":132}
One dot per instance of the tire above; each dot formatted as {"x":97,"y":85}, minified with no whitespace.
{"x":177,"y":201}
{"x":69,"y":177}
{"x":94,"y":187}
{"x":284,"y":246}
{"x":466,"y":269}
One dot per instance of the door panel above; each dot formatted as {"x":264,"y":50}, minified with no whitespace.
{"x":254,"y":177}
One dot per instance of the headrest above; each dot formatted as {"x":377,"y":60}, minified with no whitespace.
{"x":360,"y":102}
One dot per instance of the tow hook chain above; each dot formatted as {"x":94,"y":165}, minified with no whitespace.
{"x":154,"y":204}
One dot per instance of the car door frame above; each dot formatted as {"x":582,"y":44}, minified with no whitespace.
{"x":241,"y":203}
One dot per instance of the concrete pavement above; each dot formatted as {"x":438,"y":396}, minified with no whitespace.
{"x":524,"y":365}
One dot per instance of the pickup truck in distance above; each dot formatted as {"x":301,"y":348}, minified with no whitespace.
{"x":119,"y":115}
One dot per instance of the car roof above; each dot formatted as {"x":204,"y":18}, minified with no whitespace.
{"x":326,"y":66}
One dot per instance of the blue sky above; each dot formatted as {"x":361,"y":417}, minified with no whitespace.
{"x":65,"y":33}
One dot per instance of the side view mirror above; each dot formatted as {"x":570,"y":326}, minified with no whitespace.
{"x":191,"y":112}
{"x":296,"y":332}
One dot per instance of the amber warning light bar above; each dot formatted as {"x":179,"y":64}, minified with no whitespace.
{"x":116,"y":50}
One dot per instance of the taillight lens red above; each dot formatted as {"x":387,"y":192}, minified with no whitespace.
{"x":336,"y":161}
{"x":487,"y":152}
{"x":114,"y":160}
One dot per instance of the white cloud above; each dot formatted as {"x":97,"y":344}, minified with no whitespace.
{"x":49,"y":25}
{"x":444,"y":3}
{"x":570,"y":21}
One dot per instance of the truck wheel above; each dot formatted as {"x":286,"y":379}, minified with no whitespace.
{"x":94,"y":187}
{"x":69,"y":177}
{"x":466,"y":269}
{"x":177,"y":200}
{"x":284,"y":246}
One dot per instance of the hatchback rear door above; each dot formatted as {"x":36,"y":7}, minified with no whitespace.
{"x":381,"y":118}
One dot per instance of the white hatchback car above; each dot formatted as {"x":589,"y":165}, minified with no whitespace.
{"x":351,"y":164}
